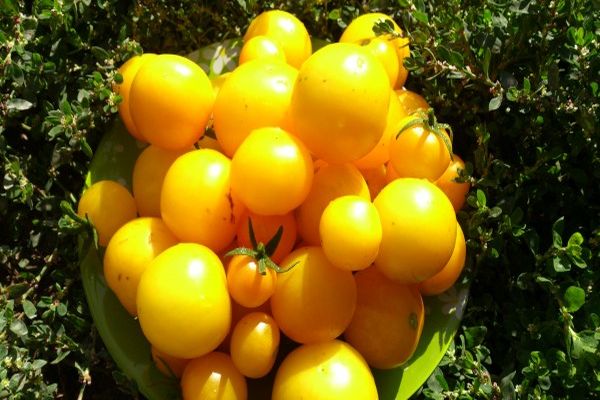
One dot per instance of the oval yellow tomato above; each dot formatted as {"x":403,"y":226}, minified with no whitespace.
{"x":411,"y":101}
{"x":325,"y":370}
{"x":247,"y":286}
{"x":108,"y":205}
{"x":340,"y":102}
{"x":129,"y":252}
{"x":456,"y":191}
{"x":213,"y":377}
{"x":418,"y":230}
{"x":171,"y":100}
{"x":197,"y":203}
{"x":261,"y":47}
{"x":182,"y":301}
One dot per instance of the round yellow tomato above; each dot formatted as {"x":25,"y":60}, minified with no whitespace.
{"x":128,"y":71}
{"x":340,"y":102}
{"x":265,"y":227}
{"x":129,"y":252}
{"x":380,"y":154}
{"x":168,"y":365}
{"x":330,"y":182}
{"x":171,"y":100}
{"x":237,"y":313}
{"x":385,"y":52}
{"x":361,"y":30}
{"x":456,"y":191}
{"x":271,"y":172}
{"x":108,"y":205}
{"x":325,"y":370}
{"x":247,"y":286}
{"x":254,"y":344}
{"x":149,"y":172}
{"x":418,"y":230}
{"x":213,"y":377}
{"x":388,"y":321}
{"x":196,"y":200}
{"x":314,"y":301}
{"x":444,"y":279}
{"x":376,"y":179}
{"x":285,"y":29}
{"x":261,"y":47}
{"x":411,"y":101}
{"x":257,"y":94}
{"x":182,"y":301}
{"x":419,"y":153}
{"x":350,"y":232}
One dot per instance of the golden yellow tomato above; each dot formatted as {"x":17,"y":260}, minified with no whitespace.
{"x":213,"y":377}
{"x":261,"y":47}
{"x":254,"y":344}
{"x":411,"y":101}
{"x":456,"y":191}
{"x":376,"y":179}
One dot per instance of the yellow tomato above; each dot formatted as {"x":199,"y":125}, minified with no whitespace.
{"x":182,"y":302}
{"x":285,"y":29}
{"x":444,"y":279}
{"x":340,"y":102}
{"x":271,"y":172}
{"x":171,"y":100}
{"x":350,"y":232}
{"x":213,"y":377}
{"x":385,"y":52}
{"x":380,"y":154}
{"x":196,"y":200}
{"x":265,"y":227}
{"x":419,"y":153}
{"x":330,"y":182}
{"x":326,"y":370}
{"x":148,"y":174}
{"x":257,"y":94}
{"x":419,"y":230}
{"x":261,"y":47}
{"x":314,"y":301}
{"x":128,"y":71}
{"x":411,"y":101}
{"x":108,"y":205}
{"x":129,"y":252}
{"x":456,"y":191}
{"x":254,"y":344}
{"x":168,"y":365}
{"x":247,"y":286}
{"x":388,"y":321}
{"x":376,"y":179}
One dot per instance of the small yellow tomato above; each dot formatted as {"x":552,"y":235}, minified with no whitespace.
{"x":411,"y":101}
{"x":246,"y":285}
{"x":182,"y":301}
{"x":149,"y":173}
{"x":213,"y":377}
{"x":129,"y":252}
{"x":285,"y":29}
{"x":196,"y":200}
{"x":171,"y":100}
{"x":418,"y":230}
{"x":350,"y":232}
{"x":330,"y":182}
{"x":326,"y":370}
{"x":456,"y":191}
{"x":261,"y":47}
{"x":271,"y":172}
{"x":168,"y":365}
{"x":254,"y":344}
{"x":108,"y":205}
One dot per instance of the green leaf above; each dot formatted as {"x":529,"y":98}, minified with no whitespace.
{"x":561,"y":264}
{"x":18,"y":327}
{"x":485,"y":66}
{"x":576,"y":239}
{"x":584,"y":342}
{"x":481,"y":200}
{"x":557,"y":230}
{"x":18,"y":105}
{"x":574,"y":298}
{"x":29,"y":309}
{"x":420,"y":16}
{"x":495,"y":103}
{"x":271,"y":246}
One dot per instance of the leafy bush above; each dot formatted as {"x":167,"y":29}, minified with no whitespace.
{"x":517,"y":80}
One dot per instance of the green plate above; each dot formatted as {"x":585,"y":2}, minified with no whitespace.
{"x":114,"y":159}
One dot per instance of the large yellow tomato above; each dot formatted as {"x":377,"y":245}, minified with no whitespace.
{"x":213,"y":377}
{"x":129,"y":252}
{"x":388,"y":321}
{"x":182,"y":301}
{"x":149,"y":172}
{"x":255,"y":95}
{"x":419,"y":230}
{"x":170,"y":101}
{"x":314,"y":301}
{"x":456,"y":191}
{"x":128,"y":71}
{"x":108,"y":205}
{"x":350,"y":232}
{"x":330,"y":182}
{"x":261,"y":47}
{"x":285,"y":29}
{"x":361,"y":30}
{"x":385,"y":52}
{"x":325,"y":370}
{"x":340,"y":102}
{"x":271,"y":172}
{"x":196,"y":201}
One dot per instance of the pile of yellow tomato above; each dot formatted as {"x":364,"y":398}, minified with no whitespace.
{"x":304,"y":194}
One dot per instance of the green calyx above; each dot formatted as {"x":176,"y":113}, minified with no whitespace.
{"x":427,"y":119}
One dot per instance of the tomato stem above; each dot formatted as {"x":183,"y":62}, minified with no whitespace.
{"x":428,"y":121}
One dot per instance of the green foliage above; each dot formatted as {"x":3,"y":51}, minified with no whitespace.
{"x":518,"y":82}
